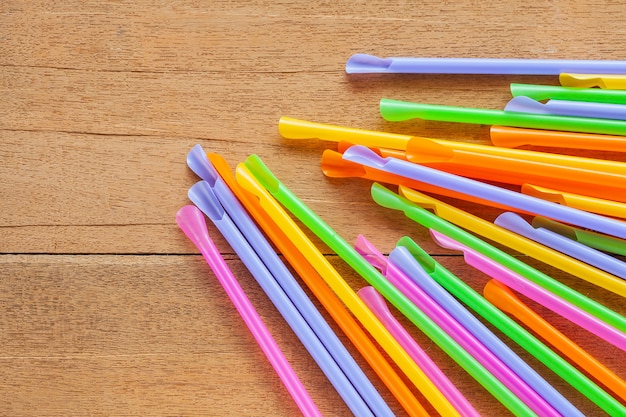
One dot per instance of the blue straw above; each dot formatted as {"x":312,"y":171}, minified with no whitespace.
{"x":203,"y":196}
{"x":367,"y":157}
{"x":401,"y":257}
{"x":516,"y":223}
{"x":297,"y":295}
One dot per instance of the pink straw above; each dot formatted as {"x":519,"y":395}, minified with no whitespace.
{"x":534,"y":292}
{"x":459,"y":333}
{"x":191,"y":221}
{"x":377,"y":304}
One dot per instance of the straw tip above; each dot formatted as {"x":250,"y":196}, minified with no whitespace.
{"x":202,"y":195}
{"x":290,"y":128}
{"x":262,"y":173}
{"x":365,"y":63}
{"x":395,"y":110}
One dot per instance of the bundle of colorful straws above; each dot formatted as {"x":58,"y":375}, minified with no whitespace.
{"x":576,"y":207}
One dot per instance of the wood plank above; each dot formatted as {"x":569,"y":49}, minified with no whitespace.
{"x":136,"y":335}
{"x":129,"y":335}
{"x":119,"y":194}
{"x":105,"y":306}
{"x":263,"y":36}
{"x":226,"y":106}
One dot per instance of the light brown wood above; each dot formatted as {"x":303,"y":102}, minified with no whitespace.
{"x":105,"y":307}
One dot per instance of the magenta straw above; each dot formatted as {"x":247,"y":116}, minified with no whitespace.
{"x":459,"y":333}
{"x":191,"y":221}
{"x":377,"y":304}
{"x":533,"y":291}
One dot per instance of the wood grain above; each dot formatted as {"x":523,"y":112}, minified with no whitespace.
{"x":105,"y":307}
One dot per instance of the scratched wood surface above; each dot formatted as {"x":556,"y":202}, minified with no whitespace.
{"x":105,"y":307}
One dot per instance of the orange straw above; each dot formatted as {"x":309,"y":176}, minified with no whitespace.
{"x":573,"y":178}
{"x":334,"y":166}
{"x":324,"y":294}
{"x":566,"y":177}
{"x":503,"y":298}
{"x":512,"y":137}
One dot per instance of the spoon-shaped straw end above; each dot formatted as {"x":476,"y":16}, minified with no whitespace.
{"x":334,"y":166}
{"x":202,"y":195}
{"x":198,"y":162}
{"x":515,"y":223}
{"x":502,"y":297}
{"x":398,"y":111}
{"x":582,"y":80}
{"x":386,"y":198}
{"x":407,"y":246}
{"x":368,"y":251}
{"x":420,"y":199}
{"x":291,"y":128}
{"x":523,"y":104}
{"x":364,"y":155}
{"x":192,"y":222}
{"x":374,"y":300}
{"x":262,"y":173}
{"x":365,"y":63}
{"x":425,"y":150}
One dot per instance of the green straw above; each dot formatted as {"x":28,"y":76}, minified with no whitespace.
{"x":512,"y":329}
{"x":267,"y":179}
{"x":389,"y":199}
{"x":396,"y":111}
{"x":544,"y":92}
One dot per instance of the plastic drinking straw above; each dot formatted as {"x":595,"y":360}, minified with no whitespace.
{"x":318,"y":287}
{"x":191,"y":221}
{"x":544,"y":92}
{"x":521,"y":244}
{"x":512,"y":137}
{"x":397,"y":111}
{"x":301,"y":129}
{"x":534,"y":291}
{"x":377,"y":304}
{"x":595,"y":240}
{"x":488,"y":358}
{"x":600,"y":260}
{"x":499,"y":195}
{"x":525,"y":104}
{"x":508,"y":326}
{"x":374,"y":278}
{"x":492,"y":168}
{"x":291,"y":314}
{"x":297,"y":295}
{"x":345,"y":293}
{"x":291,"y":128}
{"x":422,"y":278}
{"x":334,"y":166}
{"x":503,"y":298}
{"x":421,"y":215}
{"x":572,"y":178}
{"x":582,"y":202}
{"x":365,"y":63}
{"x":610,"y":81}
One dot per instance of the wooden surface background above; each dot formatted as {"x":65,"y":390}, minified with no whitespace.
{"x":105,"y":307}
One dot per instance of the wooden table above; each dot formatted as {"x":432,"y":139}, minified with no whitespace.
{"x":105,"y":307}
